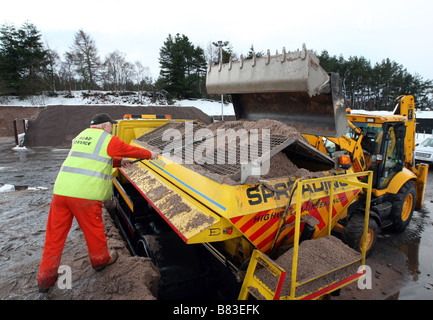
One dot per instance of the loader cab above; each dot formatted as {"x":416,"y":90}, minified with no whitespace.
{"x":383,"y":148}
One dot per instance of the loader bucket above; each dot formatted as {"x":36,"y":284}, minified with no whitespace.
{"x":289,"y":87}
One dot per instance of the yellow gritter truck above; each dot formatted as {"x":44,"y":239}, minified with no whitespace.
{"x":246,"y":209}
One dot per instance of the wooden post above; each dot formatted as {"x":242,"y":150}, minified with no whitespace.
{"x":16,"y":132}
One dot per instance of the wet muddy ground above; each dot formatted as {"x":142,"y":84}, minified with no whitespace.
{"x":401,"y":266}
{"x":23,"y":217}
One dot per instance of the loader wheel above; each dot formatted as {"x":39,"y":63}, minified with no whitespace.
{"x":403,"y":205}
{"x":354,"y":231}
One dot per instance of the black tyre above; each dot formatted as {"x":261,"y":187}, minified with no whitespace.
{"x":183,"y":276}
{"x":147,"y":247}
{"x":354,"y":231}
{"x":403,"y":205}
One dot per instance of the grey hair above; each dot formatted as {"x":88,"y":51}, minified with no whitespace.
{"x":99,"y":125}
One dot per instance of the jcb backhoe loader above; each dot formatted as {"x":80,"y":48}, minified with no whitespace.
{"x":385,"y":145}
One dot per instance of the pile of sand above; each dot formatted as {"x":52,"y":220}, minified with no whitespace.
{"x":235,"y":135}
{"x":9,"y":114}
{"x":56,"y":126}
{"x":316,"y":257}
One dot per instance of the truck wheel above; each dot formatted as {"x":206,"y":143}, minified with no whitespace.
{"x":147,"y":247}
{"x":403,"y":205}
{"x":183,"y":275}
{"x":354,"y":231}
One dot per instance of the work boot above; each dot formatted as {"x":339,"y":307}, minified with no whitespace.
{"x":113,"y":258}
{"x":46,"y":281}
{"x":43,"y":290}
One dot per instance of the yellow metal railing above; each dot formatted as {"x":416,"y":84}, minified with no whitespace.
{"x":262,"y":291}
{"x":251,"y":281}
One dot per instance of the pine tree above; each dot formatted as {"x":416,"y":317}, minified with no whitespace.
{"x":22,"y":59}
{"x":252,"y":51}
{"x":183,"y":67}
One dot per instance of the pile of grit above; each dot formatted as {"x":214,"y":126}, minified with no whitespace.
{"x":280,"y":165}
{"x":56,"y":126}
{"x":316,"y":257}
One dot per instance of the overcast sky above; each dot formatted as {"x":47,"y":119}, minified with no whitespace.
{"x":397,"y":29}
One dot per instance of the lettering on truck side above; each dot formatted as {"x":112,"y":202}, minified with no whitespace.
{"x":261,"y":194}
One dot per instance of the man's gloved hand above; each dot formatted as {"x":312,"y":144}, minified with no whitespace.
{"x":125,"y":163}
{"x":154,"y":155}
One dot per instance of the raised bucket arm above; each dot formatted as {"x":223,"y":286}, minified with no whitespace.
{"x":290,"y":87}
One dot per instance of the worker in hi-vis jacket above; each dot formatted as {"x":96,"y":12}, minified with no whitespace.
{"x":83,"y":183}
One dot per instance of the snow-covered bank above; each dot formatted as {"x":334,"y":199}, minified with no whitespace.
{"x":209,"y":107}
{"x":418,"y":113}
{"x":84,"y":97}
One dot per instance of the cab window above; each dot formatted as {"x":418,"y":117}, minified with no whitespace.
{"x":393,"y":161}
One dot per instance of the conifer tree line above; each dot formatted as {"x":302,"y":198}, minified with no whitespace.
{"x":375,"y":87}
{"x":30,"y":67}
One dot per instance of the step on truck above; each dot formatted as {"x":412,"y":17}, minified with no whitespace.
{"x":246,"y":209}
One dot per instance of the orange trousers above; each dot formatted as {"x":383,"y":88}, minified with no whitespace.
{"x":88,"y":214}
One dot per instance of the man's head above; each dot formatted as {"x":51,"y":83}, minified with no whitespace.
{"x":103,"y":121}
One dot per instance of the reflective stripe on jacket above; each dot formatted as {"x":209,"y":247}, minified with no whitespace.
{"x":87,"y":171}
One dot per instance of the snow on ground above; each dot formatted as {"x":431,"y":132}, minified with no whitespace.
{"x":7,"y":188}
{"x":419,"y":114}
{"x":209,"y":107}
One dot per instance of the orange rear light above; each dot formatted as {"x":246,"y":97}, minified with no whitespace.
{"x":345,"y":162}
{"x":345,"y":159}
{"x":146,"y":116}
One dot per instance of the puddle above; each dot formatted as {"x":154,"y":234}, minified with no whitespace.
{"x":33,"y":167}
{"x":420,"y":264}
{"x":416,"y":242}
